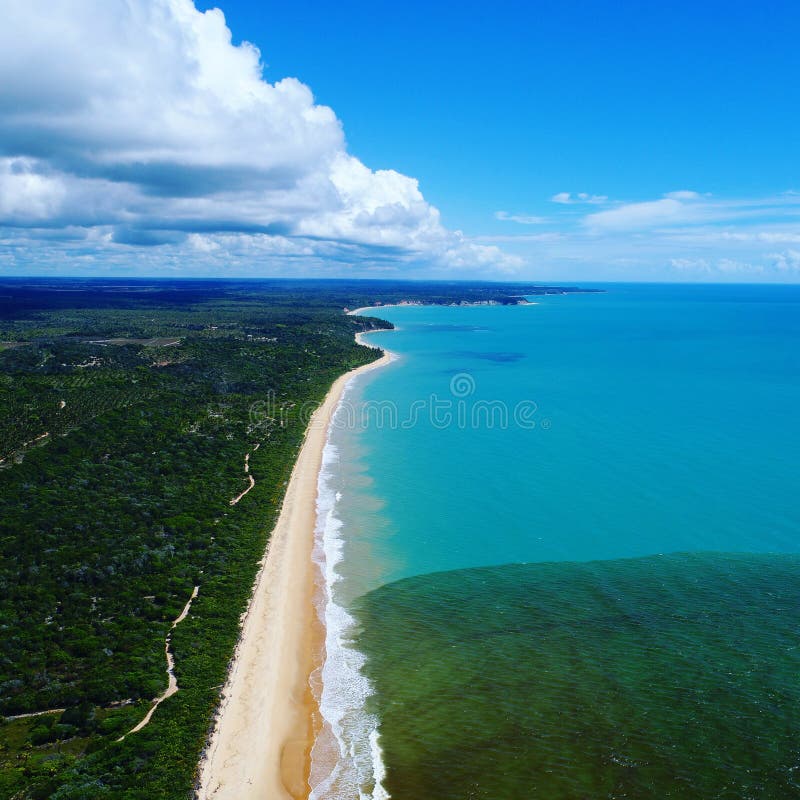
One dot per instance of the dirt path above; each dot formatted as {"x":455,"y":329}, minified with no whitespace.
{"x":30,"y":714}
{"x":37,"y":439}
{"x":249,"y":477}
{"x":24,"y":446}
{"x":172,"y":683}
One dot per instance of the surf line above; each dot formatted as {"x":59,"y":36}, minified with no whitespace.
{"x":346,"y":751}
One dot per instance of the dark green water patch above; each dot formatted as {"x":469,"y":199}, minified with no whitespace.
{"x":664,"y":677}
{"x":498,"y":357}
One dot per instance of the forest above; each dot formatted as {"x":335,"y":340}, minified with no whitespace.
{"x":127,"y":409}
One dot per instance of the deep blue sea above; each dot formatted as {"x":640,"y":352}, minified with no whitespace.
{"x":638,"y":422}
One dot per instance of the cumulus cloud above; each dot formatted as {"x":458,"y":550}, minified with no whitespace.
{"x":139,"y":122}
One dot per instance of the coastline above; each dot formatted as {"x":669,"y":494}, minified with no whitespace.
{"x":261,"y":743}
{"x":521,"y":301}
{"x":359,"y":311}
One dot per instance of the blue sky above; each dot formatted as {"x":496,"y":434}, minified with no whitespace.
{"x":559,"y":141}
{"x":502,"y":105}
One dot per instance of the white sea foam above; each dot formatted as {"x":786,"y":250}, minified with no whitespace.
{"x":346,"y":759}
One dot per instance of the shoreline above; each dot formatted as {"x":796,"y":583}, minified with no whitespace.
{"x":359,"y":311}
{"x":261,"y":742}
{"x":522,"y":301}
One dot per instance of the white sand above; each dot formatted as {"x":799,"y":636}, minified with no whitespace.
{"x":261,"y":743}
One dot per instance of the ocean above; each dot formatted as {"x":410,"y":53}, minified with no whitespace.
{"x":560,"y":547}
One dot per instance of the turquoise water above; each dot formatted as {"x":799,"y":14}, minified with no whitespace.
{"x":641,"y":421}
{"x":673,"y":426}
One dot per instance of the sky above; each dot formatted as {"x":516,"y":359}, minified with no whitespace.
{"x":572,"y":141}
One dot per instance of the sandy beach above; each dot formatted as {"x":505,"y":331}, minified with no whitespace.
{"x":361,"y":311}
{"x":261,"y":743}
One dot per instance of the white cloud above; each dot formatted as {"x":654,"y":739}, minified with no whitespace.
{"x":780,"y":237}
{"x":567,"y":198}
{"x":687,"y":209}
{"x":715,"y":268}
{"x":735,"y":266}
{"x":788,"y":261}
{"x":690,"y":264}
{"x":687,"y":236}
{"x":668,"y":210}
{"x":673,"y":208}
{"x":549,"y":236}
{"x":139,"y":119}
{"x":770,"y":237}
{"x":26,"y":195}
{"x":521,"y":219}
{"x":683,"y":194}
